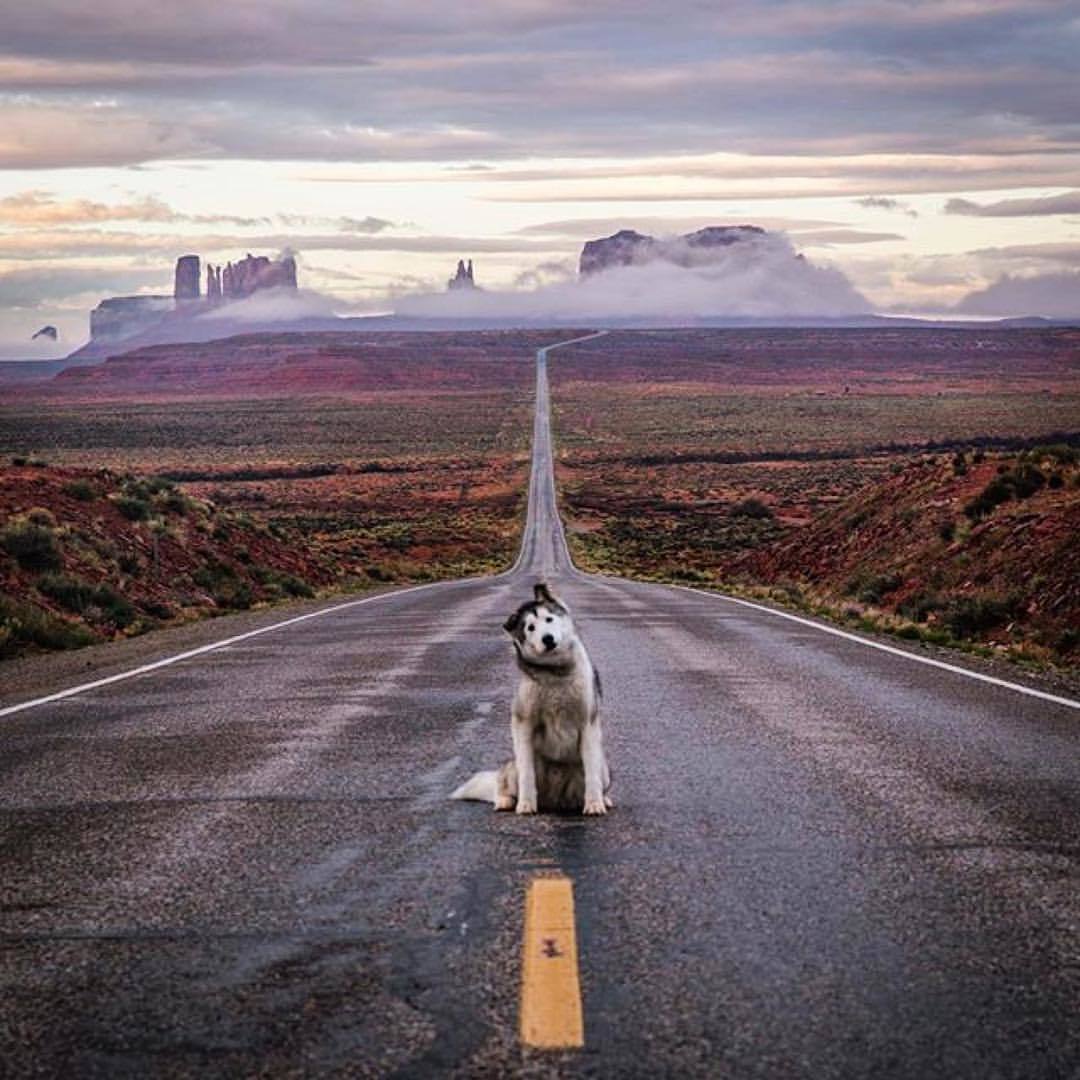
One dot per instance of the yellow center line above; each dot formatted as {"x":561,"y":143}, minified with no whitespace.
{"x":550,"y":990}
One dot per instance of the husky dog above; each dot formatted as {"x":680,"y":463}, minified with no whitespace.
{"x":559,"y":759}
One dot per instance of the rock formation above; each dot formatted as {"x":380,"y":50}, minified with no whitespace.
{"x":463,"y":279}
{"x":121,"y":317}
{"x":255,"y":272}
{"x":186,"y":287}
{"x":620,"y":249}
{"x":213,"y":284}
{"x":627,"y":247}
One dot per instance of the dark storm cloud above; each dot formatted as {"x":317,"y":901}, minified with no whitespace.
{"x":331,"y":80}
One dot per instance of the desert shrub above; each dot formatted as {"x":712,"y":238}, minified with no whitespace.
{"x":1056,"y":481}
{"x":1067,"y":640}
{"x":176,"y":502}
{"x":223,"y":583}
{"x":967,"y":616}
{"x":134,"y":508}
{"x":919,"y":605}
{"x":283,"y":582}
{"x":18,"y":461}
{"x":38,"y":515}
{"x":113,"y":607}
{"x":1062,"y":453}
{"x":947,"y":531}
{"x":32,"y":545}
{"x":23,"y":625}
{"x":98,"y":603}
{"x":959,"y":464}
{"x":72,"y":592}
{"x":82,"y":490}
{"x":1025,"y":480}
{"x":129,"y":563}
{"x":751,"y":508}
{"x":872,"y":588}
{"x":1020,"y":482}
{"x":991,"y":496}
{"x":159,"y":609}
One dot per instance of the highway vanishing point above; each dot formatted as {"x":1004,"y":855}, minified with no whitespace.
{"x":827,"y":859}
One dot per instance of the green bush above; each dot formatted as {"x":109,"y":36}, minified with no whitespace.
{"x":33,"y":546}
{"x":226,"y":587}
{"x":1062,"y":453}
{"x":82,"y":490}
{"x":872,"y":588}
{"x":283,"y":582}
{"x":967,"y":616}
{"x":919,"y":605}
{"x":97,"y":603}
{"x":751,"y":508}
{"x":1020,"y":482}
{"x":134,"y":508}
{"x":23,"y":625}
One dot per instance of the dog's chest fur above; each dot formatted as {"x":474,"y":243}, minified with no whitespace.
{"x":558,"y":708}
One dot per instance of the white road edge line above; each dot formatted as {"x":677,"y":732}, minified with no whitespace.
{"x":166,"y":661}
{"x":836,"y":632}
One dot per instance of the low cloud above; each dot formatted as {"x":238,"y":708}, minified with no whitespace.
{"x":1055,"y":295}
{"x":275,"y":306}
{"x":42,"y":209}
{"x":36,"y":288}
{"x":1066,"y":203}
{"x":883,"y":202}
{"x":762,"y":277}
{"x":829,"y":237}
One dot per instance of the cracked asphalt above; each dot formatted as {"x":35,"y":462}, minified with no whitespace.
{"x":825,"y":860}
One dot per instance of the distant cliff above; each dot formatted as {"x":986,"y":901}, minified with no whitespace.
{"x":127,"y":318}
{"x":628,"y":247}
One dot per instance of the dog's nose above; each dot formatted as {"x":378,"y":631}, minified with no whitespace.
{"x":549,"y":641}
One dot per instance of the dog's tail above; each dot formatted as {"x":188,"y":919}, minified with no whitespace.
{"x":482,"y":786}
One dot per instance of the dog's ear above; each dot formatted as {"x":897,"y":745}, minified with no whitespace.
{"x":511,"y":624}
{"x":545,"y":596}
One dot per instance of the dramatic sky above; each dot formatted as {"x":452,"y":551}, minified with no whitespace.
{"x":928,"y":149}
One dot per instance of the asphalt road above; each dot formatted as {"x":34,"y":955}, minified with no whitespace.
{"x":826,"y":860}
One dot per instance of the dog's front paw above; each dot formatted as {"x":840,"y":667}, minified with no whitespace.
{"x":526,"y":806}
{"x":595,"y":806}
{"x":504,"y":802}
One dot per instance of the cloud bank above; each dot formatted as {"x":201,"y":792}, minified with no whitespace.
{"x":1054,"y":296}
{"x":761,"y":277}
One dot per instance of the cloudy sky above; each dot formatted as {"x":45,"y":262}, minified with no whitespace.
{"x":928,"y":150}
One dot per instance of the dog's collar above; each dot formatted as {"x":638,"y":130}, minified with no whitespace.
{"x":531,"y":668}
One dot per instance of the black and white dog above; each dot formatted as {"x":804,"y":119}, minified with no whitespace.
{"x":559,"y":761}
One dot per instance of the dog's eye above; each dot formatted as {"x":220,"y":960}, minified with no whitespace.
{"x":531,"y":627}
{"x":549,"y":619}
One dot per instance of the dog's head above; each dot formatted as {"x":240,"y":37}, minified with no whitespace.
{"x":542,"y":630}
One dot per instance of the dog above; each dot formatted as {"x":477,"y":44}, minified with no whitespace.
{"x":559,"y":762}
